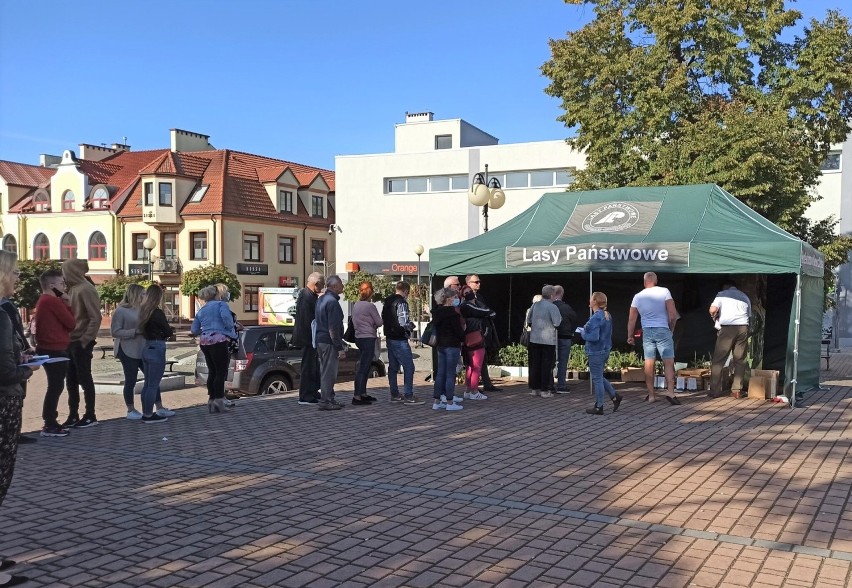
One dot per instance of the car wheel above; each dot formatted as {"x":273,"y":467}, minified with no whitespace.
{"x":374,"y":372}
{"x":275,"y":384}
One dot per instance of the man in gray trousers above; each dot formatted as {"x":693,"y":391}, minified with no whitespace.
{"x":329,"y":341}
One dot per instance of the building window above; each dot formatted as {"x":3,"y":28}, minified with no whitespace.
{"x":100,"y":198}
{"x":251,"y":247}
{"x":68,"y":200}
{"x":251,"y":298}
{"x":831,"y":162}
{"x":427,"y":184}
{"x":417,"y":184}
{"x":149,"y":194}
{"x":443,"y":141}
{"x":439,"y":184}
{"x":285,"y":201}
{"x":41,"y":247}
{"x":168,"y":246}
{"x":286,"y":245}
{"x":564,"y":178}
{"x":198,"y":194}
{"x":68,"y":247}
{"x":317,"y":206}
{"x":541,"y":178}
{"x":41,"y":202}
{"x":459,"y":182}
{"x":317,"y":250}
{"x":139,"y":252}
{"x":397,"y":186}
{"x":165,"y":194}
{"x":10,"y":244}
{"x":199,"y":246}
{"x":97,"y":246}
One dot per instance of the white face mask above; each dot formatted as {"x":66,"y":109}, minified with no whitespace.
{"x":227,"y":296}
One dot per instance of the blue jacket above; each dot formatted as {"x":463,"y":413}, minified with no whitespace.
{"x":330,"y":321}
{"x":214,"y":317}
{"x":598,"y":334}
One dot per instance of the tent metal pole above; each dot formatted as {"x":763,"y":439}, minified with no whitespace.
{"x":509,"y":322}
{"x":794,"y":381}
{"x":591,"y":290}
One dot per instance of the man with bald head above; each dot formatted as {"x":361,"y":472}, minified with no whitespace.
{"x":655,"y":306}
{"x":306,"y":304}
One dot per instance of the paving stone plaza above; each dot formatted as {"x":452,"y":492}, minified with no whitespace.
{"x":512,"y":491}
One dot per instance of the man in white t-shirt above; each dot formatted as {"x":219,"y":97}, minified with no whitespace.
{"x":731,"y":309}
{"x":657,"y":309}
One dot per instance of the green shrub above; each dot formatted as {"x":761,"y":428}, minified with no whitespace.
{"x":513,"y":355}
{"x":577,"y":359}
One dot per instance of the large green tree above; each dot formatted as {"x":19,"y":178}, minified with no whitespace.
{"x":663,"y":92}
{"x":28,"y":290}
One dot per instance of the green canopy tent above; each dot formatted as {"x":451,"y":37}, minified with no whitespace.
{"x":698,"y":229}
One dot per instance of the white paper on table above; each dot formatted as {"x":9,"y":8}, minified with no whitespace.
{"x":40,"y":360}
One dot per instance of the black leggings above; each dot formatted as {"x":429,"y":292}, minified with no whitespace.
{"x":10,"y":427}
{"x":218,"y":358}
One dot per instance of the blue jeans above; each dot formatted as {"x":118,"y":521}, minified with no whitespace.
{"x":563,"y":350}
{"x":399,"y":354}
{"x":366,"y":349}
{"x":445,"y":375}
{"x":153,"y":366}
{"x":597,"y":361}
{"x":131,"y":367}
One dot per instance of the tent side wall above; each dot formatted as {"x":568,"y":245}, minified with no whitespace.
{"x":810,"y":335}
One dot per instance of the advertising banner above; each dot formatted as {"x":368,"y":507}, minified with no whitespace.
{"x":600,"y":256}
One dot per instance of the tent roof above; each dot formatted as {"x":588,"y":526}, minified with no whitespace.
{"x":676,"y":229}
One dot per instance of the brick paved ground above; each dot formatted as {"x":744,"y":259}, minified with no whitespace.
{"x":513,"y":491}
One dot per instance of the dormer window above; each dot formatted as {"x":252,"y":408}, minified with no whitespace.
{"x":41,"y":201}
{"x":100,"y":198}
{"x":68,"y":200}
{"x":285,"y":201}
{"x":317,"y":206}
{"x":165,"y":194}
{"x":149,"y":194}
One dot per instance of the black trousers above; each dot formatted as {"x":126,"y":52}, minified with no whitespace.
{"x":309,"y":384}
{"x":55,"y":373}
{"x":11,"y":408}
{"x":218,"y":359}
{"x":542,"y":359}
{"x":80,"y":376}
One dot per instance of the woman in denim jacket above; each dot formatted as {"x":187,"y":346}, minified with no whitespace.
{"x":597,"y":333}
{"x":215,"y":325}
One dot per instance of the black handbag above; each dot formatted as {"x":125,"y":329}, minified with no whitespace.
{"x":349,"y":335}
{"x":525,"y":337}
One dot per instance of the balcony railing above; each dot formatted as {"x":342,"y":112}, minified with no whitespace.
{"x":167,"y":266}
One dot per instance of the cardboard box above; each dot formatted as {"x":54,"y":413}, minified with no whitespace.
{"x":771,"y":376}
{"x":633,"y":374}
{"x":694,"y":373}
{"x":758,"y":387}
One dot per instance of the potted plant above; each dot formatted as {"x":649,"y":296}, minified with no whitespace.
{"x":612,"y":369}
{"x":632,"y":369}
{"x":578,"y":362}
{"x":514,"y":360}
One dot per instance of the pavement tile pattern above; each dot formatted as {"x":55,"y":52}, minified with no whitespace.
{"x":512,"y":491}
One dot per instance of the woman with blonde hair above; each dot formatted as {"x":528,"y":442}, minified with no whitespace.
{"x":13,"y":376}
{"x":156,"y":328}
{"x":597,"y":333}
{"x":366,"y":320}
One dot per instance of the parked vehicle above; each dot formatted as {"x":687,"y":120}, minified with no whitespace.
{"x":266,"y":363}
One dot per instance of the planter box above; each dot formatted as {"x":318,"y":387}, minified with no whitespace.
{"x":633,"y":374}
{"x":613,"y":376}
{"x":514,"y":370}
{"x":583,"y":375}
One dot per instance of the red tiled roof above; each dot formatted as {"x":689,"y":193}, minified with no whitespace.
{"x":21,"y":174}
{"x":98,"y":172}
{"x":270,"y":173}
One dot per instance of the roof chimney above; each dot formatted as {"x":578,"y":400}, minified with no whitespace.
{"x":45,"y":160}
{"x":418,"y":117}
{"x":189,"y":141}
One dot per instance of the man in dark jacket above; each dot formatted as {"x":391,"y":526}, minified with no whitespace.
{"x":306,"y":305}
{"x":398,"y":327}
{"x":564,"y":337}
{"x":330,"y":346}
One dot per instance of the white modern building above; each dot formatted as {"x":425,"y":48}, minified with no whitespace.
{"x":418,"y":195}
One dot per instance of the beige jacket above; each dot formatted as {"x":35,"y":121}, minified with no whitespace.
{"x":85,"y":302}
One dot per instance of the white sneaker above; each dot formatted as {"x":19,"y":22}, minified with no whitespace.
{"x":133,"y":415}
{"x":439,"y":405}
{"x":475,"y":396}
{"x":533,"y":392}
{"x":546,"y":394}
{"x":165,"y":412}
{"x":443,"y":399}
{"x":454,"y":407}
{"x":457,"y":399}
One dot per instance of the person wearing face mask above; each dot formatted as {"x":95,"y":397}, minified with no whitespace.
{"x":449,"y":332}
{"x":306,"y":306}
{"x":454,"y":284}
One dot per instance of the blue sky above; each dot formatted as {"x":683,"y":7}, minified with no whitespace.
{"x":302,"y":80}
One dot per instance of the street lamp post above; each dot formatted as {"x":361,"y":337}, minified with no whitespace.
{"x":418,"y":251}
{"x":487,"y":194}
{"x":149,"y":245}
